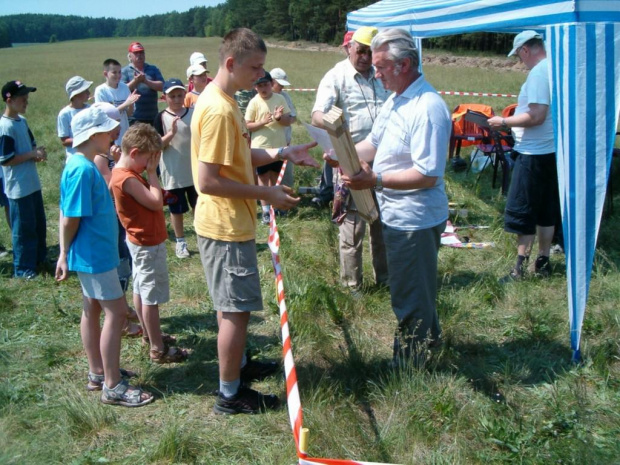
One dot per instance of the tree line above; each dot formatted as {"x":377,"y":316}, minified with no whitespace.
{"x":312,"y":20}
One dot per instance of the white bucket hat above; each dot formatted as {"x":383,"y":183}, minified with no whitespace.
{"x":88,"y":122}
{"x":77,"y":85}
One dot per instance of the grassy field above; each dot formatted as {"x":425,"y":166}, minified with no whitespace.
{"x":501,"y":390}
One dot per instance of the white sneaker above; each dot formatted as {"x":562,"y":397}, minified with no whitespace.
{"x":181,"y":250}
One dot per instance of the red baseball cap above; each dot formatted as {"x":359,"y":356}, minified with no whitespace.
{"x":347,"y":38}
{"x":136,"y":47}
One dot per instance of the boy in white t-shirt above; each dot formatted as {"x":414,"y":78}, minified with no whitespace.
{"x":173,"y":125}
{"x":117,"y":93}
{"x":78,"y":91}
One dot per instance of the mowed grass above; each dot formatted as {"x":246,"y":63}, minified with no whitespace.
{"x":501,"y":390}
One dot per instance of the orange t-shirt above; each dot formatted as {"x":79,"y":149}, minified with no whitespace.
{"x":143,"y":226}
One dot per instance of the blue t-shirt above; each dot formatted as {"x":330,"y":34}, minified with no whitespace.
{"x":84,"y":194}
{"x":15,"y":138}
{"x":146,"y":106}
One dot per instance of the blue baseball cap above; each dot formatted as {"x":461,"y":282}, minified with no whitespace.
{"x":172,"y":84}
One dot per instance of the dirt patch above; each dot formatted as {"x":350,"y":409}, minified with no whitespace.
{"x":428,"y":58}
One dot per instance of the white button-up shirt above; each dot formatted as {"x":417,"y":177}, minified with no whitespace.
{"x":359,"y":98}
{"x":412,"y":130}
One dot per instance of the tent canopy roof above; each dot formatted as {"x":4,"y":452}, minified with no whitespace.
{"x":433,"y":18}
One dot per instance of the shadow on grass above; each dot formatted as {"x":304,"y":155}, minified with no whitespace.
{"x":199,"y":374}
{"x":492,"y":368}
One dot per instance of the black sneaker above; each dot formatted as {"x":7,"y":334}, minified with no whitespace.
{"x":256,"y":371}
{"x":514,"y":275}
{"x":245,"y":401}
{"x":543,"y":266}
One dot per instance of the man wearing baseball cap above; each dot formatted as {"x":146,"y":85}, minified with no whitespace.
{"x":147,"y":79}
{"x":352,"y":86}
{"x":533,"y":203}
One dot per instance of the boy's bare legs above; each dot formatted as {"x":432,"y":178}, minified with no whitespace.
{"x":91,"y":334}
{"x":115,"y":315}
{"x":149,"y":316}
{"x":231,"y":338}
{"x":176,"y":220}
{"x":137,"y":305}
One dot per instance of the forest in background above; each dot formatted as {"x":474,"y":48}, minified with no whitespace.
{"x":312,"y":20}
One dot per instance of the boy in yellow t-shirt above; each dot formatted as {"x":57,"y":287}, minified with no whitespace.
{"x":267,"y":116}
{"x":225,"y":220}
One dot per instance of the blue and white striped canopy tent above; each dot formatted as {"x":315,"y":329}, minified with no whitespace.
{"x":583,"y":45}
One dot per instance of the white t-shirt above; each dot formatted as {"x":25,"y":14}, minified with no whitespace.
{"x":105,"y":93}
{"x":536,"y":140}
{"x":63,"y":125}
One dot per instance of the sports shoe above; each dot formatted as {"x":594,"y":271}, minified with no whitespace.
{"x":256,"y":371}
{"x":181,"y":250}
{"x":542,"y":266}
{"x":245,"y":401}
{"x":266,"y":218}
{"x":514,"y":275}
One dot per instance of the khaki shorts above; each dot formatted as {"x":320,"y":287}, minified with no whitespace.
{"x":101,"y":286}
{"x":232,"y":274}
{"x":150,"y":273}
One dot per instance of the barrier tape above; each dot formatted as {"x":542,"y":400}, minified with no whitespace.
{"x":442,"y":92}
{"x":292,"y":391}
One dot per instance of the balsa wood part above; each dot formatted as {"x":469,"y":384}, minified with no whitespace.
{"x":349,"y":162}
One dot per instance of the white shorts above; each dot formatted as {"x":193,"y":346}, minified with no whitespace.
{"x":150,"y":273}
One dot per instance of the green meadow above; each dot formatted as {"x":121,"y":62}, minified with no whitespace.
{"x":501,"y":389}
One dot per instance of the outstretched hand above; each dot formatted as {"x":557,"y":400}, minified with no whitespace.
{"x":299,"y":155}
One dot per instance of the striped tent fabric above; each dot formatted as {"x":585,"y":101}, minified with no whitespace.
{"x":585,"y":66}
{"x":583,"y":45}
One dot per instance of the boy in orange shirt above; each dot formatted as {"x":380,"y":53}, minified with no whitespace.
{"x":139,"y":204}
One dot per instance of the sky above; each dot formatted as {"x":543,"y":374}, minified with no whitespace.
{"x":98,"y":9}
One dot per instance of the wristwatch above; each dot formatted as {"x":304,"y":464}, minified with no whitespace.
{"x":280,"y":153}
{"x":379,"y":183}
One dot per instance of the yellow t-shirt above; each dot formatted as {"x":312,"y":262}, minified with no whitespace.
{"x":220,"y":136}
{"x":272,"y":135}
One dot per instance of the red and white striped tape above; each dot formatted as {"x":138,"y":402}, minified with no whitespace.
{"x":292,"y":391}
{"x":443,"y":92}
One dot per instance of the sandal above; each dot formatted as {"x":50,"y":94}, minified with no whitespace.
{"x":169,"y":355}
{"x":167,"y":339}
{"x":126,"y":395}
{"x":95,"y":382}
{"x":132,"y":330}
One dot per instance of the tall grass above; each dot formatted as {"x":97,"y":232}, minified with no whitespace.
{"x":500,"y":390}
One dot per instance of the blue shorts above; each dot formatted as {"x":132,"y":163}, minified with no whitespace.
{"x":179,"y":200}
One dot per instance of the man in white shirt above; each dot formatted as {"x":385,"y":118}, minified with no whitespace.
{"x":352,"y":86}
{"x":533,"y":203}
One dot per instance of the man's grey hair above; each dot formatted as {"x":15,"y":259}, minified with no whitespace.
{"x":400,"y":45}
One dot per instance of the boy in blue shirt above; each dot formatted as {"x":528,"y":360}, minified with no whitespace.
{"x":18,"y":156}
{"x":87,"y":217}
